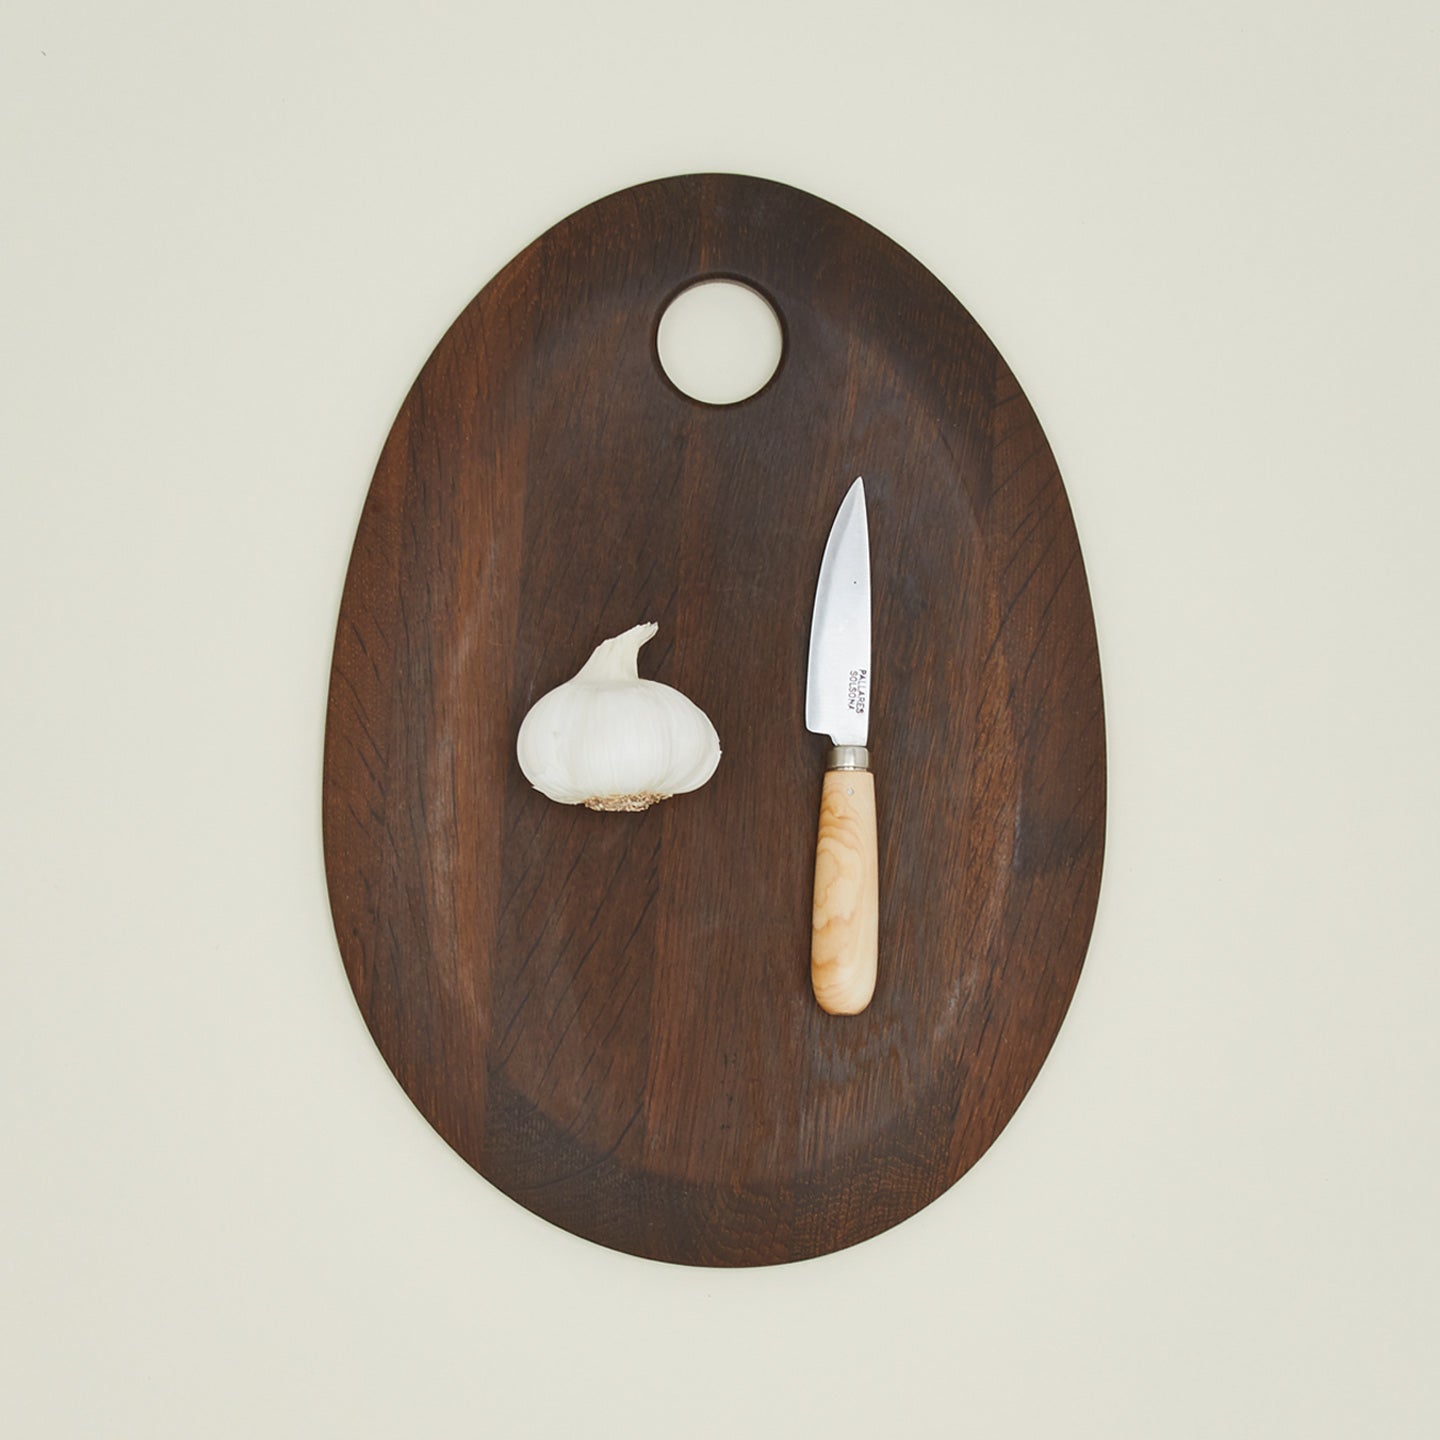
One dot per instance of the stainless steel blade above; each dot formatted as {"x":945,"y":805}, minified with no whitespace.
{"x":837,"y":692}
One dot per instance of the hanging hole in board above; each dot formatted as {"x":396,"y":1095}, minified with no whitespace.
{"x":719,"y":341}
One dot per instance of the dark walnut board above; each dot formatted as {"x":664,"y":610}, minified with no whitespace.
{"x":610,"y":1016}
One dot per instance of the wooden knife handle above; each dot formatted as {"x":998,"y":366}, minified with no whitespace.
{"x":844,"y":938}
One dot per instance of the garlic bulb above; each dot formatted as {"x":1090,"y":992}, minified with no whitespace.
{"x":612,"y":741}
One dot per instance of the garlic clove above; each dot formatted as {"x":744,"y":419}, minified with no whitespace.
{"x":609,"y":740}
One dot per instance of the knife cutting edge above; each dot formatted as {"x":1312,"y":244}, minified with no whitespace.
{"x":845,"y":921}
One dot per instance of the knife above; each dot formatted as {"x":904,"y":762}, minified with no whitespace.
{"x":845,"y":922}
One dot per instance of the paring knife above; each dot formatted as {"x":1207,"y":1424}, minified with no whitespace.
{"x":845,"y":923}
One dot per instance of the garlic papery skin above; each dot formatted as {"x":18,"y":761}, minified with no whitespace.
{"x":612,"y":741}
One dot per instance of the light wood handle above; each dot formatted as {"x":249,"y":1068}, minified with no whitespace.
{"x":845,"y":936}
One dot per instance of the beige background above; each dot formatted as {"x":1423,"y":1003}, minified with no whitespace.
{"x":1204,"y":237}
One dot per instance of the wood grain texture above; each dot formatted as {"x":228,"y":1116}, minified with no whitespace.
{"x":845,"y":915}
{"x":610,"y":1016}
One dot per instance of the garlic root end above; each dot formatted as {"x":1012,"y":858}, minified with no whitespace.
{"x":631,"y":803}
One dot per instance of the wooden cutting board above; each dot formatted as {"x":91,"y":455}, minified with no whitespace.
{"x":610,"y":1016}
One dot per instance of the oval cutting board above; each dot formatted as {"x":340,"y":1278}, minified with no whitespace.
{"x":610,"y":1016}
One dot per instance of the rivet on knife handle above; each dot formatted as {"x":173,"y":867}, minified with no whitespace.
{"x":844,"y":940}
